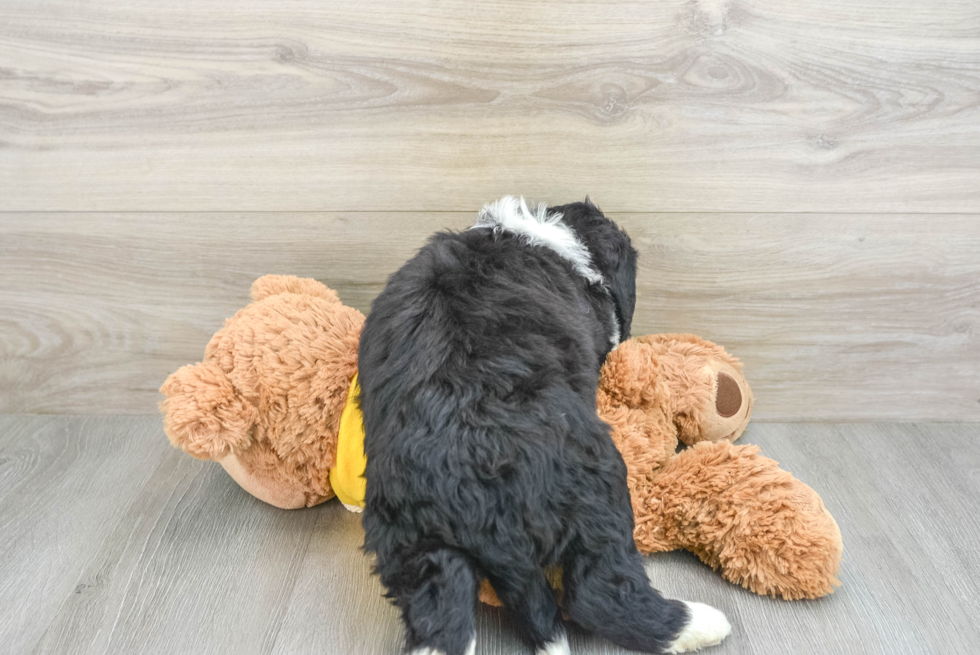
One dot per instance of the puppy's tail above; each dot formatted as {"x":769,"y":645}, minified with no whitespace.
{"x":610,"y":594}
{"x":204,"y":414}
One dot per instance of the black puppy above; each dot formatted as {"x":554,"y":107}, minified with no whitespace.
{"x":478,"y":368}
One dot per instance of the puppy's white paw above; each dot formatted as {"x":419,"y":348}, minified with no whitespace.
{"x":707,"y":627}
{"x":470,"y":649}
{"x":557,"y":647}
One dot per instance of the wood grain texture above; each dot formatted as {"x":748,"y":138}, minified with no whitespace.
{"x":64,"y":484}
{"x":117,"y":544}
{"x":197,"y":553}
{"x":857,"y":317}
{"x":678,"y":105}
{"x":835,"y":317}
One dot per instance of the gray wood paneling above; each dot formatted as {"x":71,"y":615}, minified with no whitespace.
{"x":115,"y":544}
{"x":837,"y":317}
{"x":677,"y":105}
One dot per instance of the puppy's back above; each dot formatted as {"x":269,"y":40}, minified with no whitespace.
{"x":473,"y":361}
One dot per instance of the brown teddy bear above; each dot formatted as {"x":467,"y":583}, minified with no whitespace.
{"x":274,"y":403}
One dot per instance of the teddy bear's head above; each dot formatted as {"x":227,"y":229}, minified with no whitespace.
{"x":692,"y":384}
{"x":266,"y":401}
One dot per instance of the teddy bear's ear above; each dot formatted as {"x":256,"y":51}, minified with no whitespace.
{"x":272,"y":285}
{"x":204,"y":414}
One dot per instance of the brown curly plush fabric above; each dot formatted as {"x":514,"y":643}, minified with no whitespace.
{"x":737,"y":510}
{"x":267,"y":399}
{"x":740,"y":513}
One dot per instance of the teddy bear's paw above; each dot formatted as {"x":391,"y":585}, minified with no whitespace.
{"x":706,"y":627}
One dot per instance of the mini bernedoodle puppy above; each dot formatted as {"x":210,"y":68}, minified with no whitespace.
{"x":479,"y":364}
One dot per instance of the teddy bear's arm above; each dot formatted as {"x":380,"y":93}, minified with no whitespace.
{"x":740,"y":513}
{"x":203,"y":412}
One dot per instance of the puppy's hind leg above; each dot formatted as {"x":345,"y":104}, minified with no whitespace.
{"x":531,"y":600}
{"x":609,"y":593}
{"x":436,"y":592}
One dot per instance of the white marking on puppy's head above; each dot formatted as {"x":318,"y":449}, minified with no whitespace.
{"x":538,"y":228}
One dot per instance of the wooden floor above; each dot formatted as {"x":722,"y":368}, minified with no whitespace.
{"x":112,"y":542}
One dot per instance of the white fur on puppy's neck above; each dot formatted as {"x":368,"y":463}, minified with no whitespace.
{"x":538,"y":228}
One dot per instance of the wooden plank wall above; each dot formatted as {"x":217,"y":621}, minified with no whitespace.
{"x":846,"y":317}
{"x":802,"y":180}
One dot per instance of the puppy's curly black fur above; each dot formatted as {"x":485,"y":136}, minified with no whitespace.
{"x":479,"y":364}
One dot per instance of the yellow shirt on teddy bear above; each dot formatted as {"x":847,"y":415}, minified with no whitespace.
{"x":347,"y":476}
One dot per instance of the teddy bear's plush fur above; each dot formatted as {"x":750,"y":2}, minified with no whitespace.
{"x":266,"y":403}
{"x":267,"y":399}
{"x":737,"y":510}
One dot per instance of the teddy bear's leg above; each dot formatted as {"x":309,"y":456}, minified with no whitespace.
{"x":739,"y":512}
{"x":710,"y":397}
{"x":264,"y":485}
